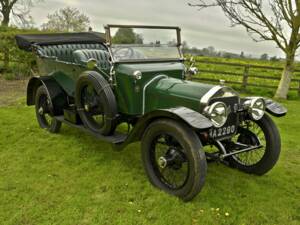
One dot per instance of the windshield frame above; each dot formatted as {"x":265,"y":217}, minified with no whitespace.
{"x":178,"y":45}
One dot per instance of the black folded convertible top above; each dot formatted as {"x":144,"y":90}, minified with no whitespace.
{"x":25,"y":41}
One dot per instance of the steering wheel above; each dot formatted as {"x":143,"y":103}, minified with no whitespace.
{"x":124,"y":53}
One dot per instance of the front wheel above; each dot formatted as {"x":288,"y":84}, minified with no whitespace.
{"x":173,"y":158}
{"x":253,"y":133}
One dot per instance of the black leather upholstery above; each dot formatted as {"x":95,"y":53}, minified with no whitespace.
{"x":65,"y":52}
{"x":102,"y":57}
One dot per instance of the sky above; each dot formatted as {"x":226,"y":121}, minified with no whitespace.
{"x":201,"y":29}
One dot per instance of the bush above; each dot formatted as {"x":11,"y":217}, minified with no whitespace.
{"x":15,"y":62}
{"x":9,"y":76}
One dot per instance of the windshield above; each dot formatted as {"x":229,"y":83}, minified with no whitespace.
{"x":140,"y":43}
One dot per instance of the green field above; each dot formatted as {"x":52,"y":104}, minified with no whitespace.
{"x":71,"y":178}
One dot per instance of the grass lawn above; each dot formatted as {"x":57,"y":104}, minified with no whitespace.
{"x":71,"y":178}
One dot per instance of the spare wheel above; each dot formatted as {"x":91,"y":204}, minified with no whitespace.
{"x":96,"y":103}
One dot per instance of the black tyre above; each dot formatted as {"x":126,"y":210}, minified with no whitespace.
{"x":259,"y":161}
{"x":96,"y":103}
{"x":173,"y":158}
{"x":43,"y":107}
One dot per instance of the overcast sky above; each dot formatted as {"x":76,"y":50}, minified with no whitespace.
{"x":199,"y":28}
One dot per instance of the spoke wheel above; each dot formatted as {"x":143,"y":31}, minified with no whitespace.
{"x":251,"y":134}
{"x":93,"y":107}
{"x":96,"y":103}
{"x":173,"y":158}
{"x":256,"y":133}
{"x":43,"y":107}
{"x":169,"y":161}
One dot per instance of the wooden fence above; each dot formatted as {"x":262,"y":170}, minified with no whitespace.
{"x":245,"y":74}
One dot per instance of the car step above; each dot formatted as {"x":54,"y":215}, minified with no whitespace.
{"x":116,"y":138}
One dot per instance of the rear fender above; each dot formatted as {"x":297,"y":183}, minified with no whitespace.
{"x":193,"y":119}
{"x":57,"y":94}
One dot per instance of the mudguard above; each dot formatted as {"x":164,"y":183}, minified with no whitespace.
{"x":56,"y":93}
{"x":192,"y":118}
{"x":189,"y":116}
{"x":275,"y":108}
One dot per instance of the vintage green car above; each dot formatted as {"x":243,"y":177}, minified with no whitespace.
{"x":136,"y":75}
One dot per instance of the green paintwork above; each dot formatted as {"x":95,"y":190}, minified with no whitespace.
{"x":169,"y":92}
{"x":50,"y":66}
{"x":64,"y":73}
{"x":66,"y":82}
{"x":129,"y":92}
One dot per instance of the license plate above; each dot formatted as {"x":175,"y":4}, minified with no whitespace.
{"x":217,"y":133}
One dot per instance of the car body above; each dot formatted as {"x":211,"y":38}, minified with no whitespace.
{"x":98,"y":81}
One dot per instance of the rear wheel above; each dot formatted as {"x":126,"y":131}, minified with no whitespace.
{"x":173,"y":158}
{"x":43,"y":107}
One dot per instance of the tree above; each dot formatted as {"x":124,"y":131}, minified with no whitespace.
{"x":211,"y":50}
{"x":242,"y":55}
{"x":277,"y":21}
{"x":264,"y":56}
{"x":127,"y":36}
{"x":185,"y":45}
{"x":274,"y":59}
{"x":67,"y":20}
{"x":16,"y":11}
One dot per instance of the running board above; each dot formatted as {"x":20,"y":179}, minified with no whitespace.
{"x":116,"y":138}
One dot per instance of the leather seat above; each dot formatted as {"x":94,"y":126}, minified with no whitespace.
{"x":101,"y":56}
{"x":65,"y":52}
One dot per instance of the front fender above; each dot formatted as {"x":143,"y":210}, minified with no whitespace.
{"x":193,"y":119}
{"x":275,"y":108}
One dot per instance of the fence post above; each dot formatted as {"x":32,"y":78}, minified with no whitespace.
{"x":245,"y":77}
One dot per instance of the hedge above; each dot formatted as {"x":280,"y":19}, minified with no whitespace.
{"x":14,"y":63}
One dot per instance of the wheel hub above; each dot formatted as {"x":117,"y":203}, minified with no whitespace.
{"x":248,"y":137}
{"x":162,"y":162}
{"x":172,"y":158}
{"x":41,"y":111}
{"x":86,"y":107}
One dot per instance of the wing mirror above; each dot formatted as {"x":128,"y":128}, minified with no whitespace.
{"x":91,"y":63}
